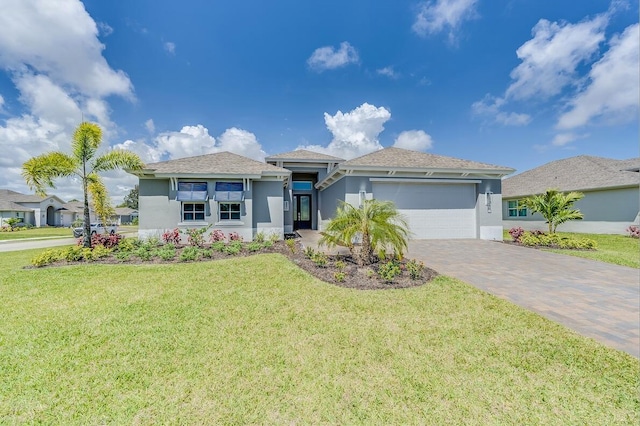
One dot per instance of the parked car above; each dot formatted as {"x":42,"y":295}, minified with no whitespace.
{"x":96,"y":228}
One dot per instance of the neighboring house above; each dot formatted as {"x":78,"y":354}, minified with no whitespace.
{"x":73,"y":211}
{"x":611,"y":193}
{"x":124,"y":215}
{"x":441,"y":197}
{"x":32,"y":209}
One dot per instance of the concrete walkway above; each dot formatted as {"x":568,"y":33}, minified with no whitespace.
{"x":595,"y":299}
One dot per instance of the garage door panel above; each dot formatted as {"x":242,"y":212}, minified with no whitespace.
{"x":433,"y":210}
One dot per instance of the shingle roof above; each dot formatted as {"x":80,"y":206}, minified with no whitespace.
{"x":73,"y":206}
{"x":17,"y":197}
{"x":124,"y":211}
{"x":403,"y":158}
{"x":579,"y":173}
{"x":10,"y":206}
{"x":218,"y":163}
{"x":303,"y":154}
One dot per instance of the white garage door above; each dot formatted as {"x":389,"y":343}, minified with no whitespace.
{"x":433,"y":210}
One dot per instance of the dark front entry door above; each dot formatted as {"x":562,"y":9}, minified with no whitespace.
{"x":302,"y":212}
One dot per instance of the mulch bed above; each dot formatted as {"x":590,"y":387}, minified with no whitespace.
{"x":356,"y":277}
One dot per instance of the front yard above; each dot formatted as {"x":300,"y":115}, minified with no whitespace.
{"x":258,"y":340}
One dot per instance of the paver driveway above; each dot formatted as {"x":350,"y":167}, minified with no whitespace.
{"x":596,"y":299}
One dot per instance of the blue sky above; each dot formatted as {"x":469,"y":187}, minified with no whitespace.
{"x":510,"y":82}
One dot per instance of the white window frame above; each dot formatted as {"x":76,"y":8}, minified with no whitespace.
{"x":230,"y":212}
{"x":194,"y":211}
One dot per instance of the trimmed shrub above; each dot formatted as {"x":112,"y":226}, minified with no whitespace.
{"x":99,"y":252}
{"x":216,"y":235}
{"x":47,"y":257}
{"x":260,"y":237}
{"x":73,"y":254}
{"x":128,"y":245}
{"x":320,"y":259}
{"x":106,"y":240}
{"x":233,"y":248}
{"x":234,"y":236}
{"x":339,"y":276}
{"x":516,"y":233}
{"x":196,"y":236}
{"x":218,"y":246}
{"x":189,"y":254}
{"x":254,"y":246}
{"x":388,"y":271}
{"x":168,"y":252}
{"x":415,"y":269}
{"x":634,"y":231}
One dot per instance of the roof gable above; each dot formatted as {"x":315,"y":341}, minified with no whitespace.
{"x":579,"y":173}
{"x":226,"y":163}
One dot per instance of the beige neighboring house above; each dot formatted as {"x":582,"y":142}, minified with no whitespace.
{"x":611,"y":191}
{"x":124,"y":215}
{"x":32,"y":209}
{"x":73,"y":211}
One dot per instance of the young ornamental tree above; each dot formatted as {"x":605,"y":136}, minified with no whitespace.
{"x":554,"y":206}
{"x":83,"y":162}
{"x":377,"y":225}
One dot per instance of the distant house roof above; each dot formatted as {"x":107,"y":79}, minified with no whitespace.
{"x":73,"y":206}
{"x":405,"y":158}
{"x":10,"y":200}
{"x":581,"y":173}
{"x":221,"y":163}
{"x":304,"y":155}
{"x":125,"y":211}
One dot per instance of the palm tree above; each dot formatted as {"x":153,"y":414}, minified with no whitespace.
{"x":41,"y":171}
{"x":377,"y":224}
{"x":554,"y":206}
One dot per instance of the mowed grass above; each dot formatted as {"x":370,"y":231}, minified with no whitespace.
{"x":257,"y":340}
{"x":36,"y":233}
{"x":616,"y":249}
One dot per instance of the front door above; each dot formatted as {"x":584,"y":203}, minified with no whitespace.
{"x":302,"y":212}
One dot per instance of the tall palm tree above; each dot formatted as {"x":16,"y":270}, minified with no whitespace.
{"x":554,"y":206}
{"x":377,"y":224}
{"x":83,"y":162}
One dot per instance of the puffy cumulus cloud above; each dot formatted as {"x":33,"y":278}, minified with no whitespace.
{"x":612,"y":92}
{"x":61,"y":77}
{"x":328,"y":58}
{"x":241,"y":142}
{"x":355,"y":133}
{"x":550,"y":58}
{"x":58,"y":39}
{"x":195,"y":140}
{"x":416,"y":140}
{"x":436,"y":16}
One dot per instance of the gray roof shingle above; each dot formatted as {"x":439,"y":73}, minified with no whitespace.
{"x":579,"y":173}
{"x":404,"y":158}
{"x":225,"y":163}
{"x":303,"y":154}
{"x":9,"y":195}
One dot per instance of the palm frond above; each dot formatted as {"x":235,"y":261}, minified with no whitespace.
{"x":99,"y":197}
{"x":117,"y":159}
{"x":40,"y":172}
{"x":86,"y":141}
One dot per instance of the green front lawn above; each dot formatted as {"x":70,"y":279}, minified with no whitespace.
{"x":36,"y":233}
{"x":257,"y":340}
{"x":616,"y":249}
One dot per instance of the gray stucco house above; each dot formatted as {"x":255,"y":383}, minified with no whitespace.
{"x":31,"y":209}
{"x":611,"y":193}
{"x":441,"y":197}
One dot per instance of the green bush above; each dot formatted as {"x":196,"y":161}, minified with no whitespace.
{"x":309,"y":252}
{"x":145,"y":252}
{"x":47,"y":257}
{"x":260,"y":237}
{"x":168,"y":252}
{"x":123,"y":256}
{"x":218,"y":246}
{"x":233,"y":248}
{"x":388,"y":271}
{"x":206,"y":253}
{"x":99,"y":252}
{"x":415,"y":269}
{"x":73,"y":254}
{"x":190,"y":253}
{"x":254,"y":246}
{"x":291,"y":244}
{"x":339,"y":276}
{"x":128,"y":245}
{"x":267,"y":244}
{"x":320,"y":259}
{"x":340,"y":265}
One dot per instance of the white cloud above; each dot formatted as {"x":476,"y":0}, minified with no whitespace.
{"x":170,"y":47}
{"x":416,"y":140}
{"x":435,"y":16}
{"x":105,"y":29}
{"x":195,"y":140}
{"x":550,"y":58}
{"x":328,"y":58}
{"x":612,"y":92}
{"x":1,"y":103}
{"x":355,"y":133}
{"x":388,"y":72}
{"x":52,"y":53}
{"x":490,"y":107}
{"x":562,"y":139}
{"x":36,"y":34}
{"x":150,"y":126}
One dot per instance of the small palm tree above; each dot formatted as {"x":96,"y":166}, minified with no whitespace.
{"x":41,"y":171}
{"x":377,"y":224}
{"x":554,"y":206}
